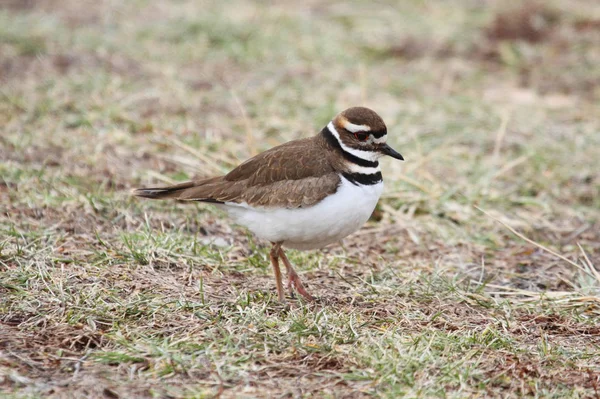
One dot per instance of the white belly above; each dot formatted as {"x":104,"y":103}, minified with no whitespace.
{"x":327,"y":222}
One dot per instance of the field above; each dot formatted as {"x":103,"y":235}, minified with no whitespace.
{"x":474,"y":277}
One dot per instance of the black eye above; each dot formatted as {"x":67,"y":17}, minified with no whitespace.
{"x":361,"y":136}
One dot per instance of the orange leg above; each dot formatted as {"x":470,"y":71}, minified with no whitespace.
{"x":293,"y":278}
{"x":274,"y":255}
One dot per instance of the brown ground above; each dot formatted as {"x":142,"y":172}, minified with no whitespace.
{"x":495,"y":109}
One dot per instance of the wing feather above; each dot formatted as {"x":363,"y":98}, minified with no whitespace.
{"x":293,"y":175}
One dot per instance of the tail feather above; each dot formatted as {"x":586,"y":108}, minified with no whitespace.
{"x":162,"y":192}
{"x":188,"y":191}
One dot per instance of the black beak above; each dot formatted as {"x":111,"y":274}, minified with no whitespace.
{"x":387,"y":150}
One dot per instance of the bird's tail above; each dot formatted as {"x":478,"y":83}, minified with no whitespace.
{"x":162,"y":192}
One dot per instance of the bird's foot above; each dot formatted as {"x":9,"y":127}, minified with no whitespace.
{"x":294,"y":283}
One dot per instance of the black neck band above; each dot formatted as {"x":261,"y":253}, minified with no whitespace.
{"x":362,"y":178}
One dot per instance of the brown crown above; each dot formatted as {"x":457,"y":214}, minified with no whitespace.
{"x":361,"y":116}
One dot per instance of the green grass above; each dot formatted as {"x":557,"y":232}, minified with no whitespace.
{"x":102,"y":295}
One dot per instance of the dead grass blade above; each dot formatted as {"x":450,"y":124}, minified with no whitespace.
{"x":589,"y":263}
{"x":500,"y":135}
{"x":538,"y":245}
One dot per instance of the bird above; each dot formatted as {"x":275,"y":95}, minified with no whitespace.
{"x":304,"y":194}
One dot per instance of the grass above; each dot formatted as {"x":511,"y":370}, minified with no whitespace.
{"x":475,"y":277}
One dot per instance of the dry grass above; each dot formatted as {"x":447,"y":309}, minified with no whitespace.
{"x":494,"y":108}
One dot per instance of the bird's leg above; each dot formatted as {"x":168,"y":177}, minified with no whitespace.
{"x":274,"y":255}
{"x":293,"y":278}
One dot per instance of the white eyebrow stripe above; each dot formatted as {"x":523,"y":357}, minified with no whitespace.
{"x":365,"y":155}
{"x":351,"y":127}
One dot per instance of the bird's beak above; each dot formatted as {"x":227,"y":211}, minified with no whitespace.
{"x":387,"y":150}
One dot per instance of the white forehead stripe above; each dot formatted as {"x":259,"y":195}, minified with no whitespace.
{"x":366,"y":155}
{"x":351,"y":127}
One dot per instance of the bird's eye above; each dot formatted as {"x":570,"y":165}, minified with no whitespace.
{"x":361,"y":136}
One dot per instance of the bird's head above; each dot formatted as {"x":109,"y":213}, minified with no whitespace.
{"x":362,"y":129}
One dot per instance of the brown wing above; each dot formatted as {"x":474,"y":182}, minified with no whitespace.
{"x":292,"y":175}
{"x":294,"y":160}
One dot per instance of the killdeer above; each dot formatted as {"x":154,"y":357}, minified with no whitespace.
{"x":304,"y":194}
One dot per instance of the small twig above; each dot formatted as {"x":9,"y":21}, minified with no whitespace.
{"x":250,"y":142}
{"x":538,"y":245}
{"x":345,"y":279}
{"x":482,"y":274}
{"x":518,"y":291}
{"x":207,"y":160}
{"x":78,"y":364}
{"x":510,"y":165}
{"x":589,"y":264}
{"x":576,"y":233}
{"x":161,"y":177}
{"x":416,"y":184}
{"x":501,"y":134}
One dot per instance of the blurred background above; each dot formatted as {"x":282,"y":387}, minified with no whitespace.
{"x":494,"y":104}
{"x":466,"y":87}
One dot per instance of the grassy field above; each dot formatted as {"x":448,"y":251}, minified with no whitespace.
{"x":474,"y":278}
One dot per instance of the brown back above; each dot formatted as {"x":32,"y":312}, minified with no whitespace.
{"x":296,"y":174}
